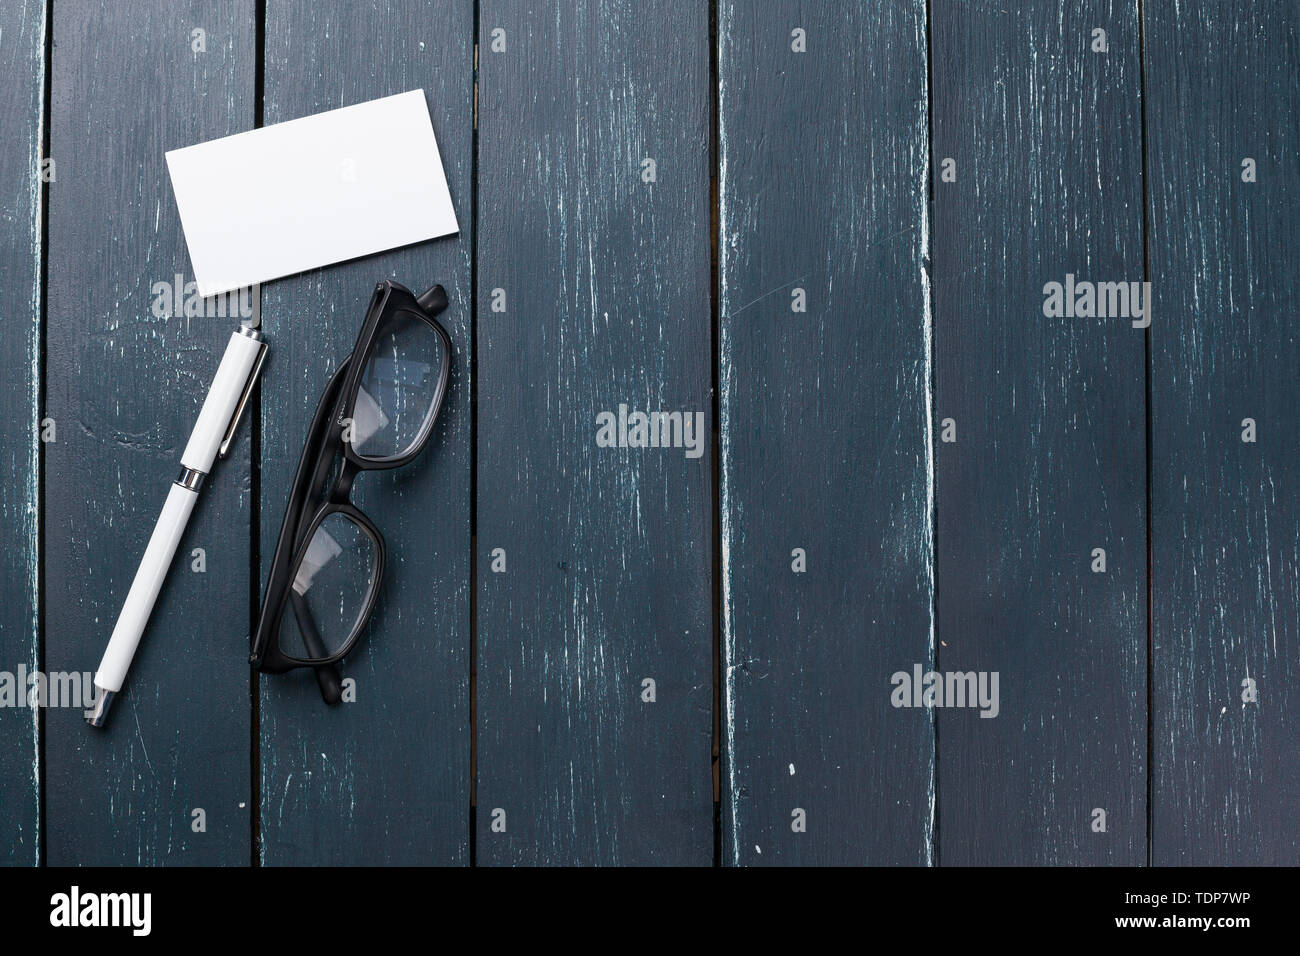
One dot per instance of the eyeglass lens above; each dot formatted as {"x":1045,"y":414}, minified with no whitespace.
{"x":328,"y":595}
{"x":398,"y":389}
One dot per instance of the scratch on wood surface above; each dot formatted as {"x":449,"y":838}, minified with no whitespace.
{"x":927,"y":322}
{"x":726,"y":398}
{"x":22,"y":42}
{"x":30,"y":523}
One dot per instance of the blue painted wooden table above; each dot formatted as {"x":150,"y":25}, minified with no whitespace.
{"x":969,"y":331}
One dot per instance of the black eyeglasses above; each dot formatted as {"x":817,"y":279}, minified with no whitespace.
{"x":378,"y":411}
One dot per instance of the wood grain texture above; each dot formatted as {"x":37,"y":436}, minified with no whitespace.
{"x":22,"y":63}
{"x":1225,"y":267}
{"x":125,"y":386}
{"x":824,"y":431}
{"x":608,"y":550}
{"x":384,"y":780}
{"x":1049,"y":461}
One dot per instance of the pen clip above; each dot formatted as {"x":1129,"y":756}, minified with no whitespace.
{"x":243,"y":403}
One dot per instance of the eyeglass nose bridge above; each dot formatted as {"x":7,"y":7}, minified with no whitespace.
{"x":341,"y":493}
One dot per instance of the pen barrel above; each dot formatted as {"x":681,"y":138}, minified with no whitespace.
{"x":144,"y":589}
{"x":233,"y":375}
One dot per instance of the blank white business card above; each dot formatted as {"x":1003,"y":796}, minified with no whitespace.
{"x":313,"y":191}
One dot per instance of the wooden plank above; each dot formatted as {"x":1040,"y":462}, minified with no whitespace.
{"x":1225,"y":268}
{"x":604,"y":301}
{"x":22,"y":62}
{"x":825,"y":431}
{"x":1049,"y":416}
{"x":384,"y":779}
{"x":124,"y":385}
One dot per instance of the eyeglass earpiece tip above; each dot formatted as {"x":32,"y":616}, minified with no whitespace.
{"x":433,"y":300}
{"x":330,"y":683}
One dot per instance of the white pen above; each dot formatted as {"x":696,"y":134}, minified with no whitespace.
{"x":227,"y":398}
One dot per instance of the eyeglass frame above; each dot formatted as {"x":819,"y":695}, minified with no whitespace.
{"x":323,"y":444}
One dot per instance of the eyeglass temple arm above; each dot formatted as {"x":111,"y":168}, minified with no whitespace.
{"x":328,"y":678}
{"x":300,"y":495}
{"x":327,"y":675}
